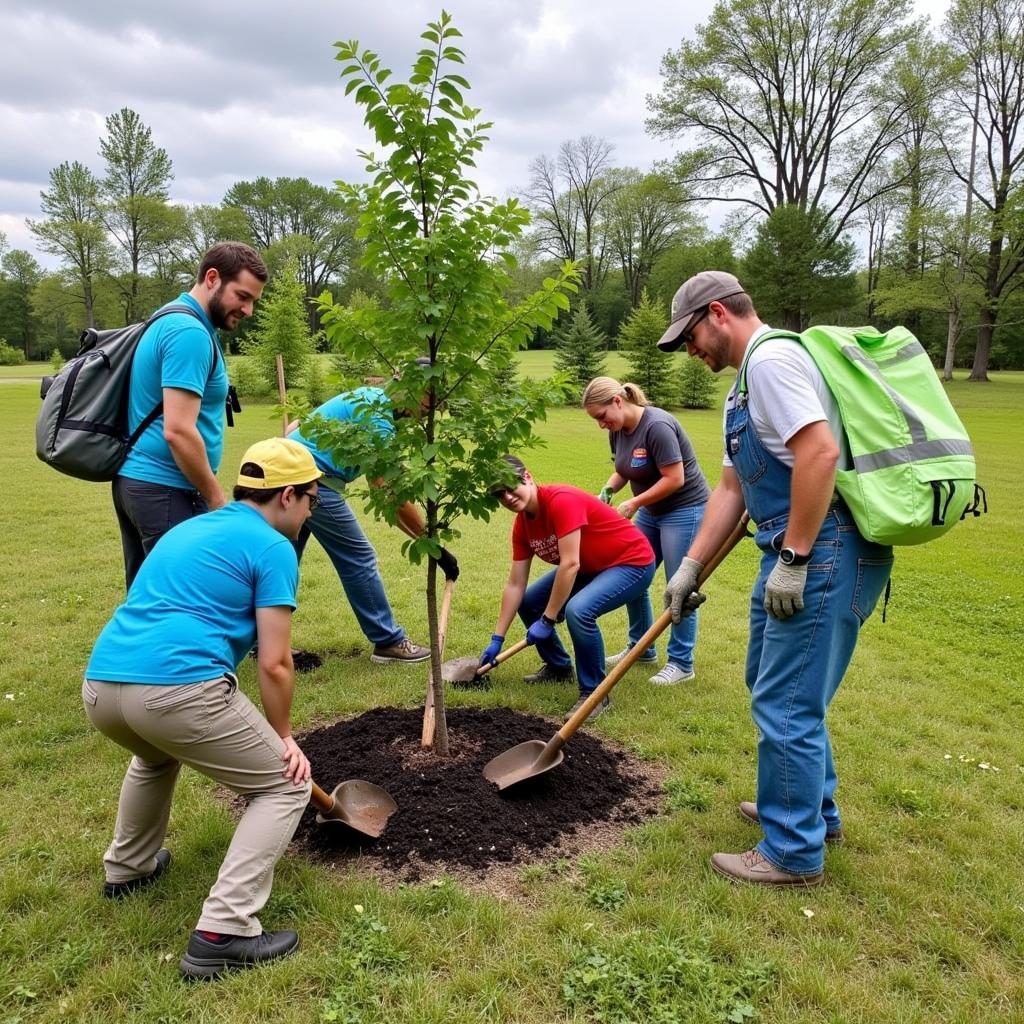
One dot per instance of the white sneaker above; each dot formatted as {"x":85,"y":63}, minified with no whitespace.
{"x":670,"y":675}
{"x":612,"y":660}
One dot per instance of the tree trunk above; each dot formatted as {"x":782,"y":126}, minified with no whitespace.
{"x":952,"y":336}
{"x":990,"y":306}
{"x":987,"y":327}
{"x":90,"y":317}
{"x":953,"y":332}
{"x":440,"y":718}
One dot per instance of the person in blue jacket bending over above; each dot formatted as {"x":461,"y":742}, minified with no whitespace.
{"x":335,"y":526}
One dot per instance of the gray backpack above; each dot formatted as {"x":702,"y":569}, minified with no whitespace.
{"x":82,"y":427}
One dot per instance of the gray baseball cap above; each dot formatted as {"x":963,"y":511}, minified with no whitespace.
{"x":692,"y":299}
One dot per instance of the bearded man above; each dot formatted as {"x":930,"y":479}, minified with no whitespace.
{"x":176,"y":400}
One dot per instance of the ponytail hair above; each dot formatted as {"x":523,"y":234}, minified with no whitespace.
{"x":604,"y":390}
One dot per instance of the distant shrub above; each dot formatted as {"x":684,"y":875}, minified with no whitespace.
{"x":9,"y":355}
{"x":249,"y":379}
{"x":56,"y":359}
{"x":314,"y":383}
{"x":696,"y":384}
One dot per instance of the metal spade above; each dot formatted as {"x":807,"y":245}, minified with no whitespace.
{"x":468,"y":671}
{"x":360,"y":805}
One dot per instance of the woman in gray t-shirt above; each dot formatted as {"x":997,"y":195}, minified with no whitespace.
{"x":652,"y":453}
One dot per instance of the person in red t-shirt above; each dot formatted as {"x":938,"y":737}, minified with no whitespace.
{"x":603,"y":562}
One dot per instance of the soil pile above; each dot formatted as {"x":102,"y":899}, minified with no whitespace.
{"x":448,"y":813}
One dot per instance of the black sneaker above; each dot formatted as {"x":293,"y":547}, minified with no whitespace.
{"x":118,"y":890}
{"x":601,"y":708}
{"x":207,"y":959}
{"x":549,"y":674}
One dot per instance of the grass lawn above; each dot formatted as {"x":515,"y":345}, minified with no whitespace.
{"x":921,"y":919}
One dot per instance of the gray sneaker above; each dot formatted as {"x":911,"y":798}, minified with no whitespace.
{"x":547,"y":674}
{"x":612,"y":660}
{"x":599,"y":710}
{"x":672,"y":674}
{"x":405,"y":650}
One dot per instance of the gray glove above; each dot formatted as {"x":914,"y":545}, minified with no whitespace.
{"x":681,"y":594}
{"x":784,"y":590}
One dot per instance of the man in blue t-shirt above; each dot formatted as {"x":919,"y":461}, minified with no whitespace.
{"x":335,"y":526}
{"x":170,"y":473}
{"x":160,"y":682}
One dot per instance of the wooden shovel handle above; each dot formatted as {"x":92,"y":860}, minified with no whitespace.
{"x":504,"y":656}
{"x":427,"y":735}
{"x":601,"y":691}
{"x":322,"y":801}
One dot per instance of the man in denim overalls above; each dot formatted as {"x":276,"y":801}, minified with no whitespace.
{"x":819,"y":579}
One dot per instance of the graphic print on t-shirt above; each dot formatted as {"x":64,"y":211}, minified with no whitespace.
{"x":639,"y":458}
{"x":545,"y":548}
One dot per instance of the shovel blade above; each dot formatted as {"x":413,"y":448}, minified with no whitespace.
{"x":521,"y":762}
{"x":463,"y":672}
{"x":361,"y":806}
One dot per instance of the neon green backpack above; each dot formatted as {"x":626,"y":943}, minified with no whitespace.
{"x":913,"y":472}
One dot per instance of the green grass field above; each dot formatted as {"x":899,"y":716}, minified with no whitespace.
{"x":921,"y":919}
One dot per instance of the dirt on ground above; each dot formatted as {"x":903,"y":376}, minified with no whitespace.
{"x":450,"y":819}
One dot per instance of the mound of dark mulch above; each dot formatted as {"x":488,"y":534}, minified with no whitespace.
{"x":448,"y":814}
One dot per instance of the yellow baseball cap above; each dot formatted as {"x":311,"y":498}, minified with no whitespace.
{"x":284,"y":462}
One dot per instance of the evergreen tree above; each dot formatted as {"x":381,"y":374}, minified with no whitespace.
{"x":281,"y":326}
{"x":580,"y":350}
{"x":648,"y":365}
{"x":696,"y":384}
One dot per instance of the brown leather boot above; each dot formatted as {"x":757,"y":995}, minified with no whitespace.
{"x":751,"y":866}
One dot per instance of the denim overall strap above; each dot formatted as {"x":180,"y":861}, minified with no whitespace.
{"x":764,"y":479}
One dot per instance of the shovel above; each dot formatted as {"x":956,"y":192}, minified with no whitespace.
{"x":360,"y":805}
{"x":535,"y":757}
{"x":468,"y":671}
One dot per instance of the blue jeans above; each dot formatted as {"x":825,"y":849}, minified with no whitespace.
{"x":336,"y":528}
{"x":593,"y":594}
{"x":670,"y":536}
{"x":794,"y":667}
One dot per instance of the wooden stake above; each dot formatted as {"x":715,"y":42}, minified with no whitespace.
{"x":281,"y":393}
{"x":427,"y":736}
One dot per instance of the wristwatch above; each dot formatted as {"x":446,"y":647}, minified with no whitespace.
{"x":788,"y":556}
{"x":546,"y":620}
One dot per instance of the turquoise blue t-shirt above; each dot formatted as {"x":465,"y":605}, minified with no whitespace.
{"x":176,"y":352}
{"x":344,"y":407}
{"x":190,"y":614}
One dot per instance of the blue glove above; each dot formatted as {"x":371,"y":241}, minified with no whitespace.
{"x":493,"y":648}
{"x":540,"y":630}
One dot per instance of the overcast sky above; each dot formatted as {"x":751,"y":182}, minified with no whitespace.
{"x":235,"y":91}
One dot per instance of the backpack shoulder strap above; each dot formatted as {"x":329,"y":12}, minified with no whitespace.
{"x":154,"y":414}
{"x":741,"y":386}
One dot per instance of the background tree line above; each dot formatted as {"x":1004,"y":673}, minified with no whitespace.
{"x":872,"y":171}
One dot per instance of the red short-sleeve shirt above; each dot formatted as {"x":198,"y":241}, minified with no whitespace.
{"x":607,"y":538}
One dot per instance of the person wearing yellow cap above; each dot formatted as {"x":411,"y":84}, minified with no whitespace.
{"x":160,"y":682}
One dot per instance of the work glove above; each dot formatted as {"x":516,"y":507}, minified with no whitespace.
{"x":784,"y":590}
{"x":447,"y":563}
{"x":492,"y":650}
{"x":540,"y":630}
{"x":606,"y":494}
{"x":681,"y":594}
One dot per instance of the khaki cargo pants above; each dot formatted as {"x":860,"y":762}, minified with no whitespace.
{"x":218,"y":731}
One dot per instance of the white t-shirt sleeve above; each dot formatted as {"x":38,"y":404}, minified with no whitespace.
{"x":783,"y":398}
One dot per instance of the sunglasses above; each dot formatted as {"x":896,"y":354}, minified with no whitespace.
{"x":686,"y":338}
{"x":315,"y":501}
